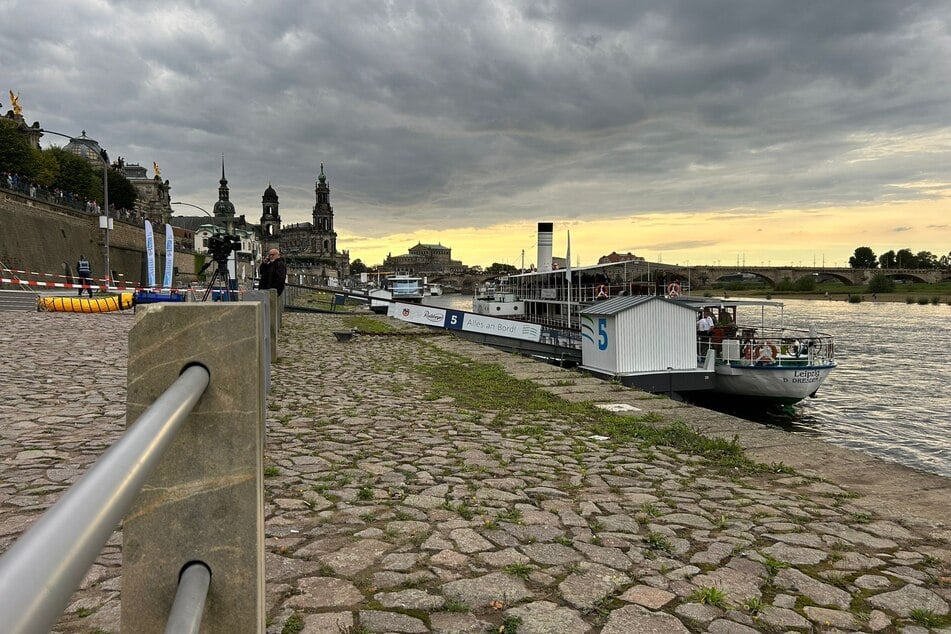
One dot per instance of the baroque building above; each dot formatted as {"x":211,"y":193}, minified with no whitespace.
{"x":310,"y":248}
{"x":152,"y":195}
{"x":424,"y":258}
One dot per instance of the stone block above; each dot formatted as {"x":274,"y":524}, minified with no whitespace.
{"x":205,"y":499}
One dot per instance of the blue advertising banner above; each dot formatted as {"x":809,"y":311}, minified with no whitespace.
{"x":150,"y":254}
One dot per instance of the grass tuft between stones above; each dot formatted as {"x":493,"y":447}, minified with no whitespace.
{"x":487,"y":387}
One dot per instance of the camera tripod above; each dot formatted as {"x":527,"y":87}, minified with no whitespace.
{"x":221,"y":276}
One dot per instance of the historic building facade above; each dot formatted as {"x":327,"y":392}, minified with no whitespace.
{"x":424,"y":258}
{"x":152,"y":194}
{"x":310,"y":248}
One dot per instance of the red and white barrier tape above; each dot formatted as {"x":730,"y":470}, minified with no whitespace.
{"x":67,"y":277}
{"x":101,"y":287}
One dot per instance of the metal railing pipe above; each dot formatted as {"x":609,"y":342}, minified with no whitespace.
{"x":40,"y":572}
{"x":189,"y":604}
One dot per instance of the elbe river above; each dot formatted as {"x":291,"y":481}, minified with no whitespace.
{"x":890,"y":395}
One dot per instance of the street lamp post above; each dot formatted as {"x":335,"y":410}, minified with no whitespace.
{"x":178,"y":202}
{"x":105,"y":221}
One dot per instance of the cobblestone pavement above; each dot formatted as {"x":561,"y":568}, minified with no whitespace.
{"x":393,"y":508}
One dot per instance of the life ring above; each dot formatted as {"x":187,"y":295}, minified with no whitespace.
{"x":794,"y":348}
{"x":602,"y":291}
{"x":673,"y":289}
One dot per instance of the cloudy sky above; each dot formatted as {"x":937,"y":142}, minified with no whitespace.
{"x":701,"y":131}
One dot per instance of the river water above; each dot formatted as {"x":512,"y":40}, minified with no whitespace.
{"x":890,"y":395}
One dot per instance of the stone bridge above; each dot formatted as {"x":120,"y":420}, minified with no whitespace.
{"x":772,"y":275}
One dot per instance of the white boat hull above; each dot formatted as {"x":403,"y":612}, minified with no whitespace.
{"x":782,"y":384}
{"x":380,"y":300}
{"x":498,"y":305}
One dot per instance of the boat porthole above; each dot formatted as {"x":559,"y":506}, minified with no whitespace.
{"x":498,"y":308}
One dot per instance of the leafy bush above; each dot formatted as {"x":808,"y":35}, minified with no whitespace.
{"x":806,"y":283}
{"x":881,"y":283}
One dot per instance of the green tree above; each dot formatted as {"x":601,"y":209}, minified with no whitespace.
{"x":806,"y":283}
{"x":881,"y":283}
{"x":122,"y":193}
{"x":16,"y":155}
{"x":926,"y":260}
{"x":357,"y":267}
{"x":905,"y":259}
{"x":46,"y":168}
{"x":498,"y":268}
{"x":75,"y":175}
{"x":864,"y":258}
{"x":887,"y":260}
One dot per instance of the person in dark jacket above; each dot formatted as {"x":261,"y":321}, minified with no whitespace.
{"x":273,"y":272}
{"x":85,"y":274}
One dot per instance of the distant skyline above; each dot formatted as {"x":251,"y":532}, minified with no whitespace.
{"x":680,"y":131}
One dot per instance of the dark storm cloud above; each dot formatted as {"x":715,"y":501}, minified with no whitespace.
{"x":468,"y":113}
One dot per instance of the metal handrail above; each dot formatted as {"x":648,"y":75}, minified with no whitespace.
{"x":40,"y":572}
{"x":189,"y":604}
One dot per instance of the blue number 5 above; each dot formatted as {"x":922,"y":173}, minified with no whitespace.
{"x":602,"y":334}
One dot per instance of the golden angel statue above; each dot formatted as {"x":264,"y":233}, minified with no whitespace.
{"x":15,"y":102}
{"x":158,"y":172}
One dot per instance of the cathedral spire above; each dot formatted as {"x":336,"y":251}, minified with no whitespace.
{"x":224,"y":208}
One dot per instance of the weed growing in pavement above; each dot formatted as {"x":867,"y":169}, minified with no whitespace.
{"x":754,"y":605}
{"x":455,"y":606}
{"x":513,"y":516}
{"x":658,"y":541}
{"x":293,"y":625}
{"x":365,"y":493}
{"x":367,"y":324}
{"x":270,"y":472}
{"x":510,"y":625}
{"x":522,"y":571}
{"x":927,"y":618}
{"x":709,"y":595}
{"x":773,"y":566}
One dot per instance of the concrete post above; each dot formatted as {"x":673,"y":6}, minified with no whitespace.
{"x":277,"y":307}
{"x":269,"y":348}
{"x":205,"y":500}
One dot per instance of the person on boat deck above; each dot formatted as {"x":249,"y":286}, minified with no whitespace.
{"x":85,"y":273}
{"x":704,"y":326}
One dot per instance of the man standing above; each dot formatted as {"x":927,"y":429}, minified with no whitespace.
{"x":84,"y":271}
{"x":273,"y":272}
{"x":704,"y":327}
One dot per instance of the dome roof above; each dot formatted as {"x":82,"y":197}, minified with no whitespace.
{"x":270,"y":196}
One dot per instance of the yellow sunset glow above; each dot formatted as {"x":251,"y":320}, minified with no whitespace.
{"x":789,"y":237}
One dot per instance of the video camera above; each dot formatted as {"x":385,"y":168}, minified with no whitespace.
{"x":220,"y":246}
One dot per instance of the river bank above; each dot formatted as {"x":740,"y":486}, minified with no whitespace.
{"x":840,"y":294}
{"x":421,"y":483}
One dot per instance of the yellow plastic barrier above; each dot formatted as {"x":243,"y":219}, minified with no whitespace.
{"x":109,"y":304}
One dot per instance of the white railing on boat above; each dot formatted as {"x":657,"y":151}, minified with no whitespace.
{"x":769,"y":347}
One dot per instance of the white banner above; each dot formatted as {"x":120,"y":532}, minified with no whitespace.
{"x":417,"y":314}
{"x":150,"y":254}
{"x":169,"y":256}
{"x":502,"y":327}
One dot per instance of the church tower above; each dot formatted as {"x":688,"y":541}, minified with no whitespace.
{"x":224,"y":208}
{"x":324,"y":240}
{"x":270,"y":219}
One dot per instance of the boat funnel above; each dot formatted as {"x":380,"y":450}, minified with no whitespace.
{"x":544,"y":246}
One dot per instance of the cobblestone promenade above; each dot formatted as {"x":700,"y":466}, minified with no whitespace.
{"x":394,"y":505}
